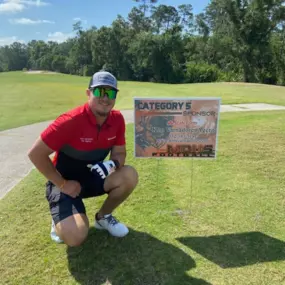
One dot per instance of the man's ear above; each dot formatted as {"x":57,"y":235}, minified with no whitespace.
{"x":88,"y":92}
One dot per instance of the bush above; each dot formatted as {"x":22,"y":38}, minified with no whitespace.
{"x":230,"y":76}
{"x":201,"y":72}
{"x":267,"y":76}
{"x":281,"y":79}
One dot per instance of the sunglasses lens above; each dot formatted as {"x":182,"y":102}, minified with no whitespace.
{"x":97,"y":92}
{"x":101,"y":92}
{"x":111,"y":93}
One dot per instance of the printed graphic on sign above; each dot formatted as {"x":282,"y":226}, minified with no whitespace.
{"x":176,"y":127}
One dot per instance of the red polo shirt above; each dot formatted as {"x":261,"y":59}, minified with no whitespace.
{"x":78,"y":140}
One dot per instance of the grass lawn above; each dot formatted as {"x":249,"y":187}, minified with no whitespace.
{"x":45,"y":96}
{"x":226,"y":227}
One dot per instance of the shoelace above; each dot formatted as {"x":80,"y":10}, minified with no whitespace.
{"x":112,"y":220}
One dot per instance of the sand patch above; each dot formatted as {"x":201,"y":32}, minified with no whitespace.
{"x":40,"y":72}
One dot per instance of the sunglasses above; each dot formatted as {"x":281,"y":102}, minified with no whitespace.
{"x":101,"y":92}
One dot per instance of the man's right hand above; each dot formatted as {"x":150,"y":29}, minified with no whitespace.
{"x":71,"y":188}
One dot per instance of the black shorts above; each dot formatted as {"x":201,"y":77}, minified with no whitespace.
{"x":62,"y":205}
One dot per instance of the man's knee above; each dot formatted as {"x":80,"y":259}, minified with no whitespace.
{"x":73,"y":231}
{"x":126,"y":178}
{"x":75,"y":238}
{"x":130,"y":176}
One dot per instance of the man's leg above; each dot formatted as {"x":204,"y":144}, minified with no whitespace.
{"x":69,"y":216}
{"x":119,"y":185}
{"x":73,"y":230}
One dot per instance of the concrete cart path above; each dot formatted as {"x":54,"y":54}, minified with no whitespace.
{"x":15,"y":143}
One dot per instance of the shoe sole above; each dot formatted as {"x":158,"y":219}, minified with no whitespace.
{"x":56,"y":240}
{"x":98,"y":227}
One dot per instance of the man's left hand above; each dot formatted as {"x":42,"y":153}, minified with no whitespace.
{"x":103,"y":169}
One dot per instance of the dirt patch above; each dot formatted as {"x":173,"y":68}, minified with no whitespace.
{"x":40,"y":72}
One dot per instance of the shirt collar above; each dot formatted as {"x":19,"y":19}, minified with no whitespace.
{"x":92,"y":117}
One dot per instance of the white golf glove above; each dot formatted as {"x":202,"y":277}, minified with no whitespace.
{"x":103,"y":169}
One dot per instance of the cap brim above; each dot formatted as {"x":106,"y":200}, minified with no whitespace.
{"x":97,"y":85}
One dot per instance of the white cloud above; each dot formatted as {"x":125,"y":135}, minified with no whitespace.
{"x":9,"y":40}
{"x":25,"y":21}
{"x":81,"y":20}
{"x":37,"y":3}
{"x":59,"y":37}
{"x":11,"y":7}
{"x":15,"y":6}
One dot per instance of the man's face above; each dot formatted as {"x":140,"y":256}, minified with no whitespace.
{"x":102,"y":102}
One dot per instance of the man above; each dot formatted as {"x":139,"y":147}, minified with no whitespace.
{"x":82,"y":138}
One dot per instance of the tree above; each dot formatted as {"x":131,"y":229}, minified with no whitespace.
{"x":201,"y":25}
{"x":145,"y":5}
{"x":250,"y":24}
{"x":186,"y":16}
{"x":165,"y":17}
{"x":234,"y":40}
{"x":37,"y":50}
{"x":138,"y":21}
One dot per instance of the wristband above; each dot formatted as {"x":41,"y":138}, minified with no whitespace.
{"x":117,"y":164}
{"x":62,"y":185}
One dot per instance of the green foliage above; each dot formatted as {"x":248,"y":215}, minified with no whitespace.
{"x":251,"y":25}
{"x":230,"y":40}
{"x":230,"y":77}
{"x":201,"y":72}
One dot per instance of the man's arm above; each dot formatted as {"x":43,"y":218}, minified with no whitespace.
{"x":119,"y":153}
{"x":39,"y":156}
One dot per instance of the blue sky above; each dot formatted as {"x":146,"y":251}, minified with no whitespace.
{"x":24,"y":20}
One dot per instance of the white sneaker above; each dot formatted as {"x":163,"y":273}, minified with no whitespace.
{"x":53,"y":234}
{"x":112,"y":225}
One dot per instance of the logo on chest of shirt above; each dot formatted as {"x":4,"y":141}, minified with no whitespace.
{"x":86,"y":140}
{"x":111,"y":138}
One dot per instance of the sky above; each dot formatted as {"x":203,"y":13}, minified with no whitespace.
{"x":26,"y":20}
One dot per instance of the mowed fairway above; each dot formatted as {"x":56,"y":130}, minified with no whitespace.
{"x":194,"y":222}
{"x":30,"y":98}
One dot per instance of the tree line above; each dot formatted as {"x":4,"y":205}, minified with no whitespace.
{"x":231,"y":40}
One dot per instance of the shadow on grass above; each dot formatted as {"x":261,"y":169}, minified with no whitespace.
{"x":135,"y":259}
{"x":237,"y":250}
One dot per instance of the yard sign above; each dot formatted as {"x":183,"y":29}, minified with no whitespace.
{"x":176,"y":127}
